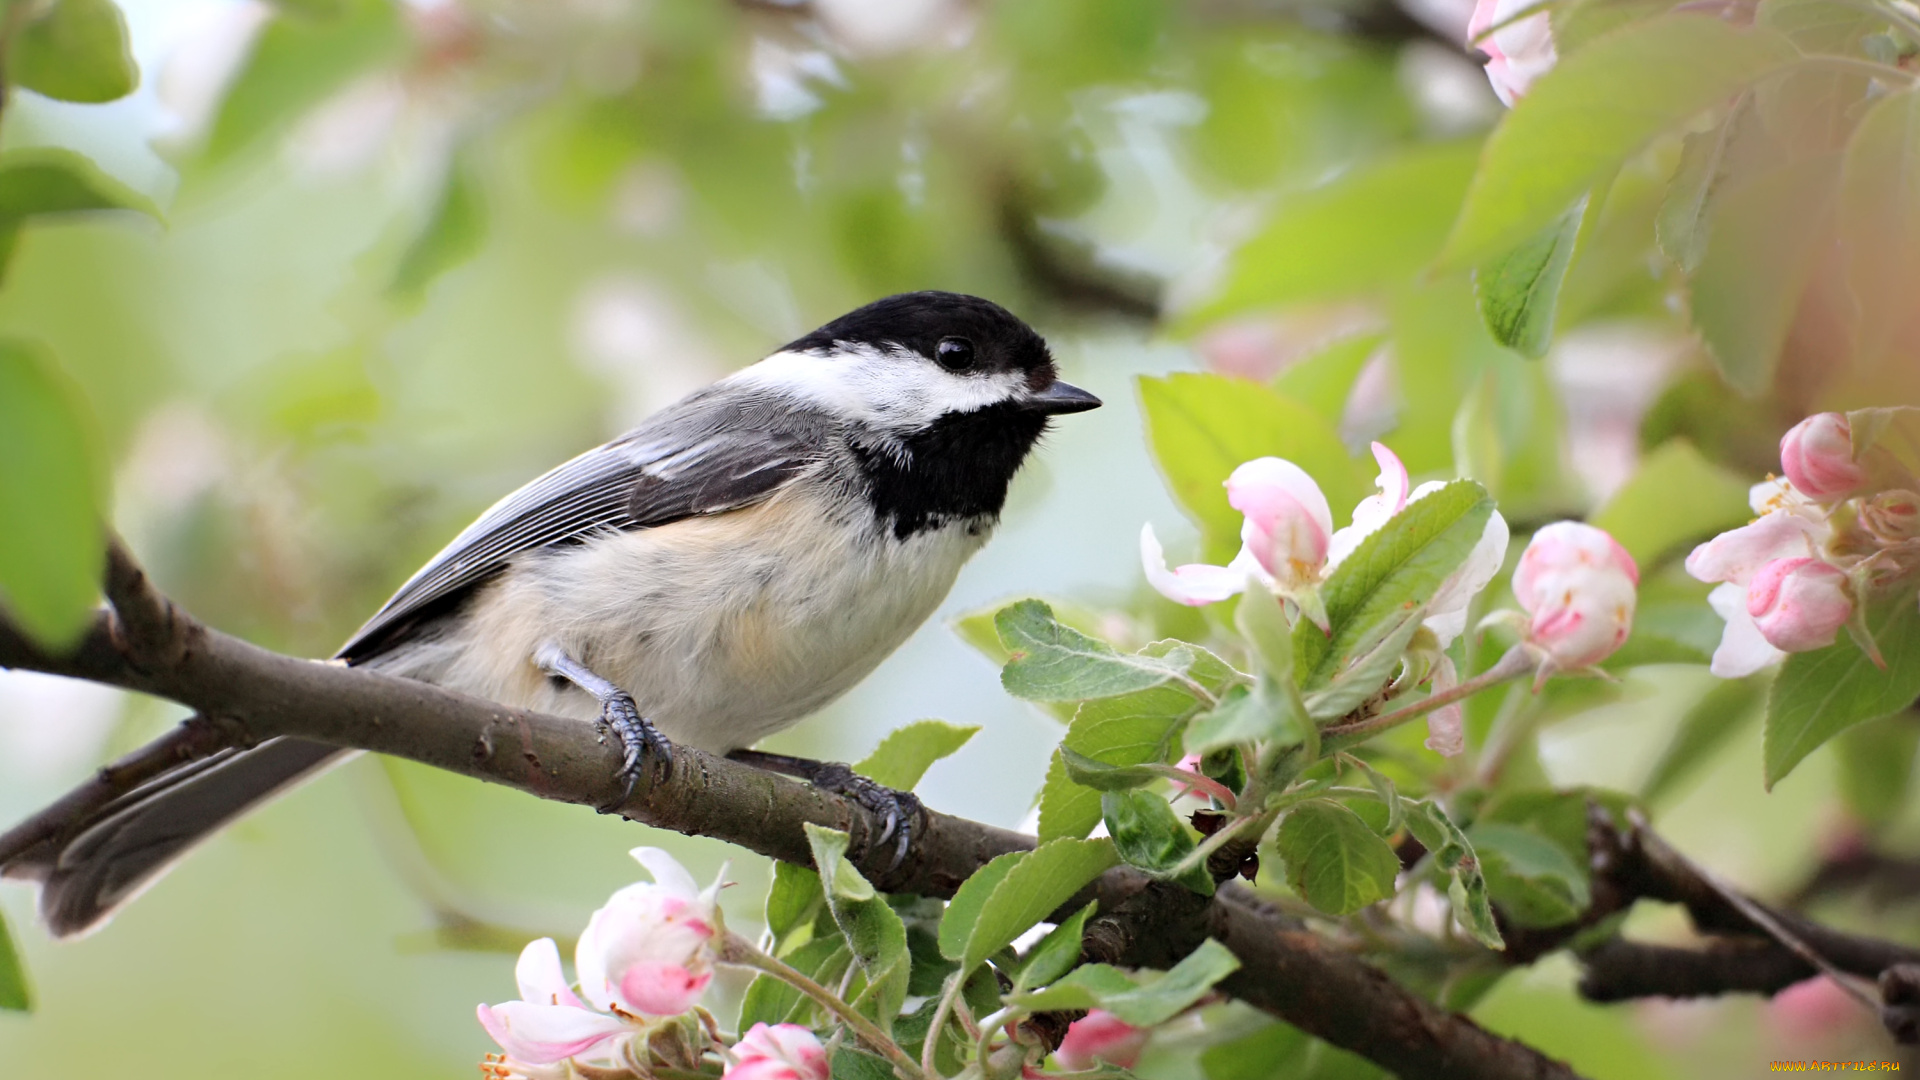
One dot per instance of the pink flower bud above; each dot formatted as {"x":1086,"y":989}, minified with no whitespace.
{"x":1892,"y":517}
{"x":1100,"y":1036}
{"x":1817,"y":455}
{"x":778,"y":1052}
{"x":1288,"y":523}
{"x":1518,"y":52}
{"x":1799,"y":604}
{"x":1578,"y":584}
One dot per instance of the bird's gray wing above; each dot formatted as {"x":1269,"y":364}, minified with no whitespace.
{"x":699,"y":457}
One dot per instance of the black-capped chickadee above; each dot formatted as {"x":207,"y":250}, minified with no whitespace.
{"x":739,"y":560}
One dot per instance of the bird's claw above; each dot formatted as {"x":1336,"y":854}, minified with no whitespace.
{"x":621,"y":718}
{"x":898,"y":810}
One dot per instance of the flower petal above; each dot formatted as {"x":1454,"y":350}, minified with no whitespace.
{"x":1447,"y":611}
{"x":654,"y":988}
{"x":541,"y":980}
{"x":1738,"y":554}
{"x":1194,"y":584}
{"x":1446,"y":727}
{"x":1742,"y":650}
{"x":667,"y":871}
{"x":544,"y":1034}
{"x":1270,"y":483}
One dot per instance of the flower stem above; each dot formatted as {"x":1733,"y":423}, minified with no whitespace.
{"x":1515,"y":663}
{"x":737,"y":950}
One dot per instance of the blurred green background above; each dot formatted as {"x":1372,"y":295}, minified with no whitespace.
{"x":410,"y":255}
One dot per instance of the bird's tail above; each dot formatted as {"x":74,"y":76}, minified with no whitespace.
{"x":87,"y":868}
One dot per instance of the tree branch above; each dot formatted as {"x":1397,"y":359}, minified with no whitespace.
{"x":244,"y":694}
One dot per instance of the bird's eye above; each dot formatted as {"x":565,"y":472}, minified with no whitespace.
{"x":954,"y":353}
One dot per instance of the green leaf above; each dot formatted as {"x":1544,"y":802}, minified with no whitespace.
{"x":1894,"y":430}
{"x":1386,"y":580}
{"x":774,"y":1001}
{"x":1675,"y":499}
{"x":1150,"y":837}
{"x":76,"y":50}
{"x":1879,"y":215}
{"x":1334,"y":860}
{"x":296,"y":64}
{"x":1520,"y":290}
{"x":1133,"y":729}
{"x":1202,"y":427}
{"x":1281,"y":1051}
{"x":1271,"y":712}
{"x":794,"y":902}
{"x":52,"y":550}
{"x":1593,"y":111}
{"x":1747,"y":287}
{"x":1819,"y":694}
{"x":1387,"y":792}
{"x":1054,"y":662}
{"x":1324,"y":380}
{"x":1056,"y":954}
{"x":1681,"y":226}
{"x":454,"y":232}
{"x":1100,"y":776}
{"x":850,"y":1063}
{"x":1009,"y":895}
{"x":873,"y":929}
{"x":1362,"y":675}
{"x":1529,"y":876}
{"x":14,"y":993}
{"x":1453,"y":854}
{"x":44,"y":180}
{"x":904,"y":756}
{"x":1703,"y":731}
{"x":1148,"y":1002}
{"x":1374,"y":227}
{"x":1876,"y":766}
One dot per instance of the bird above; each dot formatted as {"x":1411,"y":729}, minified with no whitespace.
{"x":740,"y":559}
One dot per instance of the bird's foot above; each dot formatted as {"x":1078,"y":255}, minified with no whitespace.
{"x":621,"y":719}
{"x":899,"y":811}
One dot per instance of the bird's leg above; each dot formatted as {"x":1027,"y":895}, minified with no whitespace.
{"x":898,"y":810}
{"x":618,"y":714}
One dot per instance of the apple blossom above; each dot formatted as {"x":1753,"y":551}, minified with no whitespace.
{"x":1100,"y":1036}
{"x":1790,"y":525}
{"x":650,"y":949}
{"x":1799,"y":604}
{"x":1518,"y":51}
{"x":1817,"y":454}
{"x":1446,"y":725}
{"x":778,"y":1052}
{"x":1892,"y":517}
{"x":549,"y":1023}
{"x":1288,"y":524}
{"x":1578,"y":585}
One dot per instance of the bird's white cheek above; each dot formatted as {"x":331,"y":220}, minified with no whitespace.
{"x":893,"y":390}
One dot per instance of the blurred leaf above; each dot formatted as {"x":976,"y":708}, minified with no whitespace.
{"x":1335,"y":861}
{"x":1879,"y":213}
{"x":904,"y":756}
{"x":1054,"y":662}
{"x":1812,"y":107}
{"x":774,"y":1001}
{"x":454,"y":232}
{"x":873,"y":929}
{"x":1324,"y":381}
{"x":1529,"y":876}
{"x":1202,"y":427}
{"x":850,"y":1063}
{"x":1009,"y":895}
{"x":51,"y":485}
{"x":1453,"y":854}
{"x":1147,"y":1002}
{"x":1283,"y":1052}
{"x":1894,"y":431}
{"x":1876,"y":766}
{"x":1579,"y":23}
{"x":296,"y":64}
{"x":1681,"y":227}
{"x":53,"y":180}
{"x":1704,"y":729}
{"x":1387,"y":579}
{"x":1819,"y":694}
{"x":1676,"y":497}
{"x":1372,"y":228}
{"x":1593,"y":111}
{"x":75,"y":50}
{"x":14,"y":993}
{"x":1746,"y":291}
{"x":1520,"y":290}
{"x":1056,"y":954}
{"x":1673,"y":625}
{"x":1150,"y":837}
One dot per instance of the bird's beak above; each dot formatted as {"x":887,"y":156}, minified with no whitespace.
{"x":1060,"y":397}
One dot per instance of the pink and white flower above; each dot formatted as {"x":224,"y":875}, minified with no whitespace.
{"x":650,"y":950}
{"x":1790,"y":526}
{"x":1892,"y":517}
{"x":1579,"y":585}
{"x":1799,"y":605}
{"x":778,"y":1052}
{"x":1519,"y":52}
{"x":1099,"y":1037}
{"x":1817,"y":454}
{"x":549,"y":1023}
